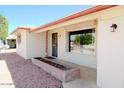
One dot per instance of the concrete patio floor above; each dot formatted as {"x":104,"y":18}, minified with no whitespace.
{"x":20,"y":73}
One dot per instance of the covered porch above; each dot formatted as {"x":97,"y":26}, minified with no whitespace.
{"x":108,"y":55}
{"x":55,"y":44}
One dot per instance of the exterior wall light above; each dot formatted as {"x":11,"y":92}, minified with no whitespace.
{"x":113,"y":27}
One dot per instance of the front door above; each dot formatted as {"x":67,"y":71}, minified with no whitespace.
{"x":54,"y":44}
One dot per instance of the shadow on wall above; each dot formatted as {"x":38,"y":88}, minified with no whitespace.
{"x":26,"y":75}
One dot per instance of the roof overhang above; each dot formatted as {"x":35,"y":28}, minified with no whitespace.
{"x":65,"y":19}
{"x":20,"y":28}
{"x":79,"y":14}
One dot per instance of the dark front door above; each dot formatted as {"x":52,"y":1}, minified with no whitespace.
{"x":54,"y":44}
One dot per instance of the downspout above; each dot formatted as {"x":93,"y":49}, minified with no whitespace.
{"x":46,"y":45}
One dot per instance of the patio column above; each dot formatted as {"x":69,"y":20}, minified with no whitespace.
{"x":46,"y":45}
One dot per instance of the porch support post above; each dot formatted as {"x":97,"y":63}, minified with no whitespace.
{"x":46,"y":46}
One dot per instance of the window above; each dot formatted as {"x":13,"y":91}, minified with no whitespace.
{"x":82,"y":41}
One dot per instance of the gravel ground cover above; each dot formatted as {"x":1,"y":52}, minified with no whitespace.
{"x":26,"y":75}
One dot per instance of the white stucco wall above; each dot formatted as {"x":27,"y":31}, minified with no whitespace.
{"x":35,"y":45}
{"x":32,"y":45}
{"x":110,"y":57}
{"x":21,"y":47}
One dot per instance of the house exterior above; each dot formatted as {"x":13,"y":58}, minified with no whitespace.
{"x":92,"y":38}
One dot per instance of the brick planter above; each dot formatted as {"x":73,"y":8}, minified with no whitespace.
{"x":63,"y":75}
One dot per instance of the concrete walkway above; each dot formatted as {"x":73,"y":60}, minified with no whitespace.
{"x":20,"y":73}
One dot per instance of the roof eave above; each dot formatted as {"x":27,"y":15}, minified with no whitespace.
{"x":24,"y":28}
{"x":79,"y":14}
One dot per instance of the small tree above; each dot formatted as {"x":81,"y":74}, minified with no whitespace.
{"x":84,"y":39}
{"x":3,"y":28}
{"x":77,"y":40}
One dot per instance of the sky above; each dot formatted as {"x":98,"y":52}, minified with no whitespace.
{"x":36,"y":15}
